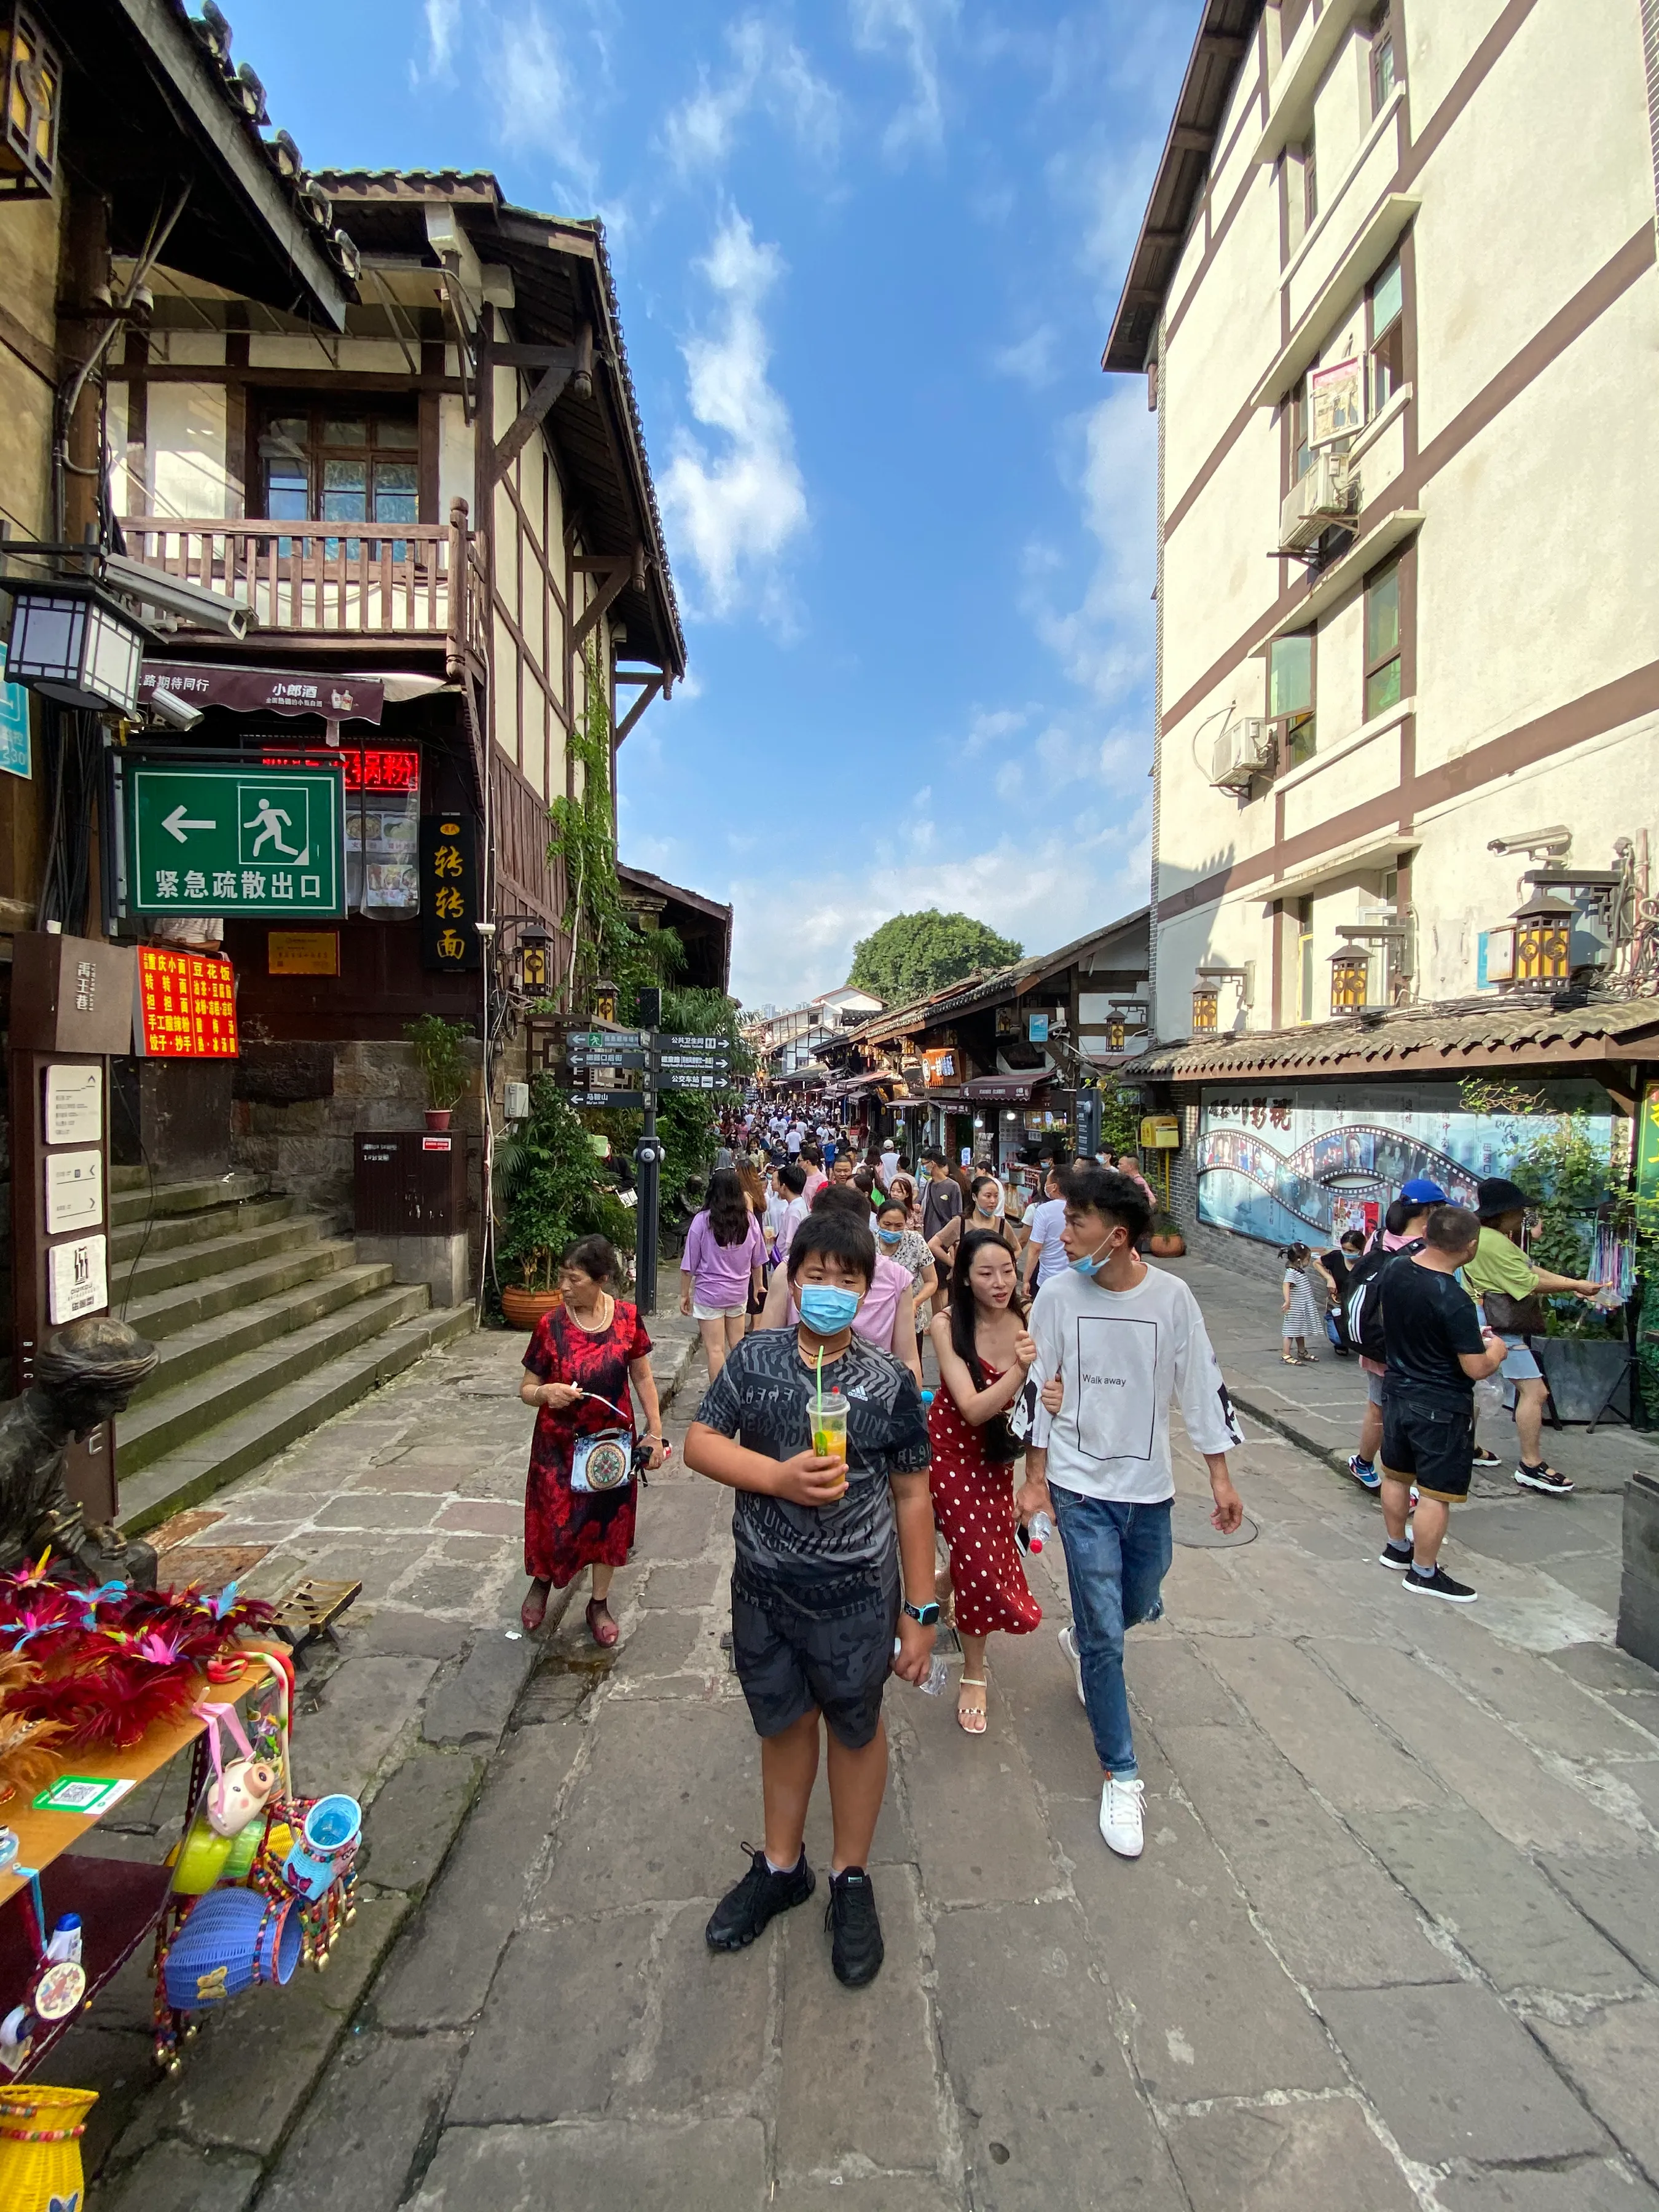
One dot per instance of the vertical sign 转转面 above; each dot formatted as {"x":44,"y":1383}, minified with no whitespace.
{"x":449,"y":893}
{"x":187,"y":1006}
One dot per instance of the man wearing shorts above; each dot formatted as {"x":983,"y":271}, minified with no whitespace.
{"x":833,"y":1557}
{"x":1437,"y":1351}
{"x":1401,"y":1231}
{"x":1500,"y":1270}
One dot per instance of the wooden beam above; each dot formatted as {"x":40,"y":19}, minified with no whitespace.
{"x":344,"y":381}
{"x":649,"y":688}
{"x":560,"y":366}
{"x":623,"y":568}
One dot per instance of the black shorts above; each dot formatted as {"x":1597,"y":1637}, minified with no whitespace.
{"x":1429,"y":1440}
{"x":789,"y":1660}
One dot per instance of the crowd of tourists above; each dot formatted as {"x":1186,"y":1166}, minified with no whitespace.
{"x":818,"y":1275}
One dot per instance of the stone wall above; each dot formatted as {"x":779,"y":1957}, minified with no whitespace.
{"x":300,"y":1105}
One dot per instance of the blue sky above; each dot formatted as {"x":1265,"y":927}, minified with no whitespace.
{"x":867,"y":252}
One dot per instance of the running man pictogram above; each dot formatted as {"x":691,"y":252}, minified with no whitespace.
{"x":271,"y":820}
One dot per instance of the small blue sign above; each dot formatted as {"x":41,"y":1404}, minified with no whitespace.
{"x":1038,"y":1027}
{"x":14,"y":758}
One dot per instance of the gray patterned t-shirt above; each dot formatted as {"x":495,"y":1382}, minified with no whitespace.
{"x":819,"y":1557}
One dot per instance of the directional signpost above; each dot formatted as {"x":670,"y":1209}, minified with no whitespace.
{"x":222,"y":837}
{"x":663,"y":1062}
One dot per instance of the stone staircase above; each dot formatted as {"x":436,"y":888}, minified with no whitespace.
{"x":267,"y":1324}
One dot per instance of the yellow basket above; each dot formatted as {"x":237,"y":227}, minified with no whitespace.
{"x":40,"y":2132}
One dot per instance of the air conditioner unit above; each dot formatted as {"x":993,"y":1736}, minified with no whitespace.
{"x":1242,"y":752}
{"x":1325,"y":495}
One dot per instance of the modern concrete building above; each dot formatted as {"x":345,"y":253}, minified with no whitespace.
{"x":1395,"y":298}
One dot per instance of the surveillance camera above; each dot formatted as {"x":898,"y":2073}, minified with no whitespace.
{"x":1551,"y":843}
{"x":484,"y":928}
{"x":167,"y":707}
{"x":202,"y":608}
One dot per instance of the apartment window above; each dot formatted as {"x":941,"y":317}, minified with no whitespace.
{"x":1304,"y":946}
{"x":1388,"y":321}
{"x":1291,"y":695}
{"x":1382,"y":640}
{"x":1301,"y":450}
{"x":1385,"y":72}
{"x":320,"y":464}
{"x":1309,"y":184}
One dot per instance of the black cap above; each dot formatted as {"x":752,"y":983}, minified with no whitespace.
{"x":1497,"y":1194}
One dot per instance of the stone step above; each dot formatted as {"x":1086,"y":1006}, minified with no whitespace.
{"x":129,"y":1178}
{"x":195,"y":1470}
{"x":192,"y":1263}
{"x":182,"y":1306}
{"x":159,"y":1425}
{"x":197,"y":1350}
{"x":137,"y":1201}
{"x":166,"y":1232}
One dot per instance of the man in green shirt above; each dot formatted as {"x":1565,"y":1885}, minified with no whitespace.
{"x":1500,"y":1266}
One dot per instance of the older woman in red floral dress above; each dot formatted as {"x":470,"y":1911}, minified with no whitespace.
{"x":581,"y":1359}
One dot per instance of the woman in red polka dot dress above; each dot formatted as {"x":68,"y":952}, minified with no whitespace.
{"x":984,"y":1354}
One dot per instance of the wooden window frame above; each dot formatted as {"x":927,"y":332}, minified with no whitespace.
{"x":1384,"y":40}
{"x":1291,"y":728}
{"x":316,"y":408}
{"x":1392,"y":336}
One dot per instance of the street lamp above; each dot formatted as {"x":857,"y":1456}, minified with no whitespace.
{"x":532,"y":960}
{"x":1543,"y":932}
{"x":74,"y":643}
{"x":1207,"y":1003}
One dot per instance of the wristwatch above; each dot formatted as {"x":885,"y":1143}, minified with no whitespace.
{"x":926,"y":1615}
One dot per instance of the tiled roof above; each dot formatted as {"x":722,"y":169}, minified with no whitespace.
{"x":1533,"y":1031}
{"x":984,"y":986}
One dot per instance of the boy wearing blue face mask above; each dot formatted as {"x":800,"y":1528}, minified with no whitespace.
{"x":831,"y":1559}
{"x":1117,"y":1341}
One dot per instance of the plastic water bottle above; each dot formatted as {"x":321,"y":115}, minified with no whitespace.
{"x":935,"y":1683}
{"x":66,"y":1944}
{"x":1038,"y":1531}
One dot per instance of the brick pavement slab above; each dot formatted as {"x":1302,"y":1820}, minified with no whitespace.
{"x":1604,"y":1667}
{"x":412,"y":1821}
{"x":1612,"y":2058}
{"x":891,"y":2192}
{"x":474,"y":1703}
{"x":380,"y":1512}
{"x":702,"y":1583}
{"x":389,"y":1630}
{"x":858,"y":2064}
{"x":1050,"y":2113}
{"x":440,"y":1976}
{"x":1032,"y":1685}
{"x":1334,"y":1917}
{"x":663,"y":1803}
{"x":177,"y":2177}
{"x":706,"y":2043}
{"x":1316,"y":2156}
{"x":979,"y":1834}
{"x":663,"y":1643}
{"x":597,"y":1973}
{"x":1333,"y":1743}
{"x":1619,"y":1895}
{"x":365,"y":1706}
{"x":1583,"y":2185}
{"x":1456,"y":2076}
{"x":708,"y":2166}
{"x":364,"y":2131}
{"x":1513,"y":1922}
{"x":1171,"y":1682}
{"x":1209,"y":2010}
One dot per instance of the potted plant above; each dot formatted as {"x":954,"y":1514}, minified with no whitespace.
{"x":440,"y":1055}
{"x":548,"y":1193}
{"x":1166,"y":1241}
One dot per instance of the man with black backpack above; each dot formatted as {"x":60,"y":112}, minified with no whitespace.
{"x":1401,"y":1232}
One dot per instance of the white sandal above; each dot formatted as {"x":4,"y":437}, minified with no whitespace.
{"x":968,"y":1682}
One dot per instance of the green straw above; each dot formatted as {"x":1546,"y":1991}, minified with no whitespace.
{"x":820,"y":1382}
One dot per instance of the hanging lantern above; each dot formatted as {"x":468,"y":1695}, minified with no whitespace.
{"x":604,"y":1002}
{"x":74,"y":643}
{"x":1114,"y":1034}
{"x":532,"y":962}
{"x":1206,"y":1007}
{"x":1350,"y":981}
{"x":1543,"y":938}
{"x":31,"y":84}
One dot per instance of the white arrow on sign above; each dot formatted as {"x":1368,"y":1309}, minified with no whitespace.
{"x":177,"y":824}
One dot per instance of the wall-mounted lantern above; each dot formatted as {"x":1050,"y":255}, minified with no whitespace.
{"x":73,"y":642}
{"x":32,"y":83}
{"x":1350,"y":981}
{"x":1543,"y":934}
{"x":1207,"y":1006}
{"x":530,"y":959}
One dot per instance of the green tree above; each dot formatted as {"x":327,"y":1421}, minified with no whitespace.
{"x":914,"y":955}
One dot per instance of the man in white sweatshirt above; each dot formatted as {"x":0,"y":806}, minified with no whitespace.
{"x":1117,"y":1341}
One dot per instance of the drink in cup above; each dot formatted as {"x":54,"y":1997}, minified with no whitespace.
{"x":830,"y":1429}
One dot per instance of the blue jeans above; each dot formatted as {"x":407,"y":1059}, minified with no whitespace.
{"x":1117,"y":1558}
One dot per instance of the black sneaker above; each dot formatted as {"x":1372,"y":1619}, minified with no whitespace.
{"x":743,"y":1912}
{"x":1397,"y":1556}
{"x":1440,"y":1585}
{"x":856,"y":1949}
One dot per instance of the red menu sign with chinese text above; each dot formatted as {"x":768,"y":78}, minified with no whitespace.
{"x":187,"y":1006}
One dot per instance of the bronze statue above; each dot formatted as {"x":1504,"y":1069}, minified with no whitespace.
{"x":84,"y":1374}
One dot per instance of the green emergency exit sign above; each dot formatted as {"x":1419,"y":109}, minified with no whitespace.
{"x":223,"y":839}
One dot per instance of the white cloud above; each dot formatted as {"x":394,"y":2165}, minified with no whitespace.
{"x":737,"y":506}
{"x":769,"y":72}
{"x":910,"y":28}
{"x":1031,"y":361}
{"x":1104,"y":642}
{"x":989,"y":726}
{"x":443,"y":23}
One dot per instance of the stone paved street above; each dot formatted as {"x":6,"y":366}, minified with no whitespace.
{"x":1393,"y":1941}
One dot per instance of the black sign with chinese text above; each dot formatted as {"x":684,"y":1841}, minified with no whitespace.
{"x":449,"y":892}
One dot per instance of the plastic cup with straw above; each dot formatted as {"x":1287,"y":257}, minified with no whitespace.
{"x":830,"y":1424}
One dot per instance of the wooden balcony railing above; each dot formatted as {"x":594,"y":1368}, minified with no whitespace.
{"x":420,"y":580}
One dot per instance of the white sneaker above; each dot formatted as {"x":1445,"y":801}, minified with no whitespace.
{"x":1068,"y":1646}
{"x":1121,"y":1816}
